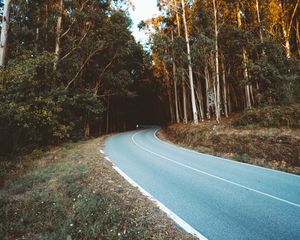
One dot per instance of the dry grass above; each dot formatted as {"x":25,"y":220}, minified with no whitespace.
{"x":277,"y":148}
{"x":72,"y":192}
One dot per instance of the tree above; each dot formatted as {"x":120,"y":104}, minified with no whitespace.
{"x":4,"y":33}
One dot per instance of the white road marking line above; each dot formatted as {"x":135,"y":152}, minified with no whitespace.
{"x":213,"y":176}
{"x":188,"y":228}
{"x":107,"y":158}
{"x":228,"y":160}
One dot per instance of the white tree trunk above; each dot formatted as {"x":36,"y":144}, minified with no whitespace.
{"x":287,"y":44}
{"x":4,"y":33}
{"x":246,"y":75}
{"x":259,"y":22}
{"x":184,"y":102}
{"x":208,"y":115}
{"x":58,"y":33}
{"x":218,"y":99}
{"x":175,"y":83}
{"x":194,"y":107}
{"x":245,"y":60}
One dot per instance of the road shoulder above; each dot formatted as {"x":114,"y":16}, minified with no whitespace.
{"x":73,"y":192}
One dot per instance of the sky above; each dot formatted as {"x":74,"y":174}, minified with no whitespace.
{"x":144,"y":9}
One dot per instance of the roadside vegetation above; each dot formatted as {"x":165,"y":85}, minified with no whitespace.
{"x":247,"y":138}
{"x":72,"y":192}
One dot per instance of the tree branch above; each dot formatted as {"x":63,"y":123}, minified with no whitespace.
{"x":292,"y":17}
{"x":102,"y":73}
{"x":83,"y":65}
{"x":74,"y":48}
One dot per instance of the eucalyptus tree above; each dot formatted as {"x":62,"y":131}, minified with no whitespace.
{"x":217,"y":94}
{"x":4,"y":32}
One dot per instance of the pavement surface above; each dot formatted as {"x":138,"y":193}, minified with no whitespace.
{"x":220,"y":198}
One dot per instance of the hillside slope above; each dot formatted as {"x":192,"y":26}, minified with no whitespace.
{"x":277,"y":148}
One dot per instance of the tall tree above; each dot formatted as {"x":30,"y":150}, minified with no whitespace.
{"x":218,"y":97}
{"x":190,"y":68}
{"x":4,"y":33}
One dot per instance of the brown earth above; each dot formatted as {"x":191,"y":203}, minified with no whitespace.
{"x":277,"y":148}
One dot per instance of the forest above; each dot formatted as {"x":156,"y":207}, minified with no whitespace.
{"x":72,"y":69}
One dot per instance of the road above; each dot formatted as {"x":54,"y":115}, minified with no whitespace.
{"x":222,"y":199}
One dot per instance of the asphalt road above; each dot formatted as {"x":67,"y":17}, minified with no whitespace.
{"x":222,"y":199}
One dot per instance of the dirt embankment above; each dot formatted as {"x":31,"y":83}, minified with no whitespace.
{"x":277,"y":148}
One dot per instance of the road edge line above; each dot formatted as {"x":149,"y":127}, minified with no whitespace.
{"x":221,"y":158}
{"x":215,"y":176}
{"x":170,"y":214}
{"x":184,"y":225}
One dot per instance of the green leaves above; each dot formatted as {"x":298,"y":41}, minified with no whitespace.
{"x":36,"y":106}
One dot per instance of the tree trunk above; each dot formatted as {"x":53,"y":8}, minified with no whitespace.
{"x":246,"y":74}
{"x":207,"y":86}
{"x":298,"y":36}
{"x":218,"y":99}
{"x":224,"y":88}
{"x":194,"y":108}
{"x":37,"y":35}
{"x":287,"y":44}
{"x":200,"y":100}
{"x":259,"y":22}
{"x":175,"y":83}
{"x":47,"y":23}
{"x":170,"y":100}
{"x":87,"y":126}
{"x":229,"y":99}
{"x":58,"y":33}
{"x":286,"y":24}
{"x":247,"y":85}
{"x":4,"y":33}
{"x":184,"y":97}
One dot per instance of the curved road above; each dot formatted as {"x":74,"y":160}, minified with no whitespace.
{"x":222,"y":199}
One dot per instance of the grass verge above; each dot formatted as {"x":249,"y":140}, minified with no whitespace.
{"x":72,"y":192}
{"x":276,"y":148}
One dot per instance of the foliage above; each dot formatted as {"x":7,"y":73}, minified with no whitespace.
{"x":35,"y":109}
{"x":271,"y":116}
{"x":61,"y":81}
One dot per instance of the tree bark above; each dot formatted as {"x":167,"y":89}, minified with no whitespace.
{"x":194,"y":107}
{"x":58,"y":33}
{"x":224,"y":88}
{"x":287,"y":44}
{"x":184,"y":97}
{"x":37,"y":35}
{"x":207,"y":86}
{"x":200,"y":100}
{"x":298,"y":36}
{"x":286,"y":24}
{"x":87,"y":125}
{"x":259,"y":22}
{"x":175,"y":83}
{"x":245,"y":60}
{"x":4,"y":33}
{"x":170,"y":100}
{"x":217,"y":104}
{"x":46,"y":22}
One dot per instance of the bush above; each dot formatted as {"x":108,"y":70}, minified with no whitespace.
{"x":36,"y":110}
{"x":271,"y":116}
